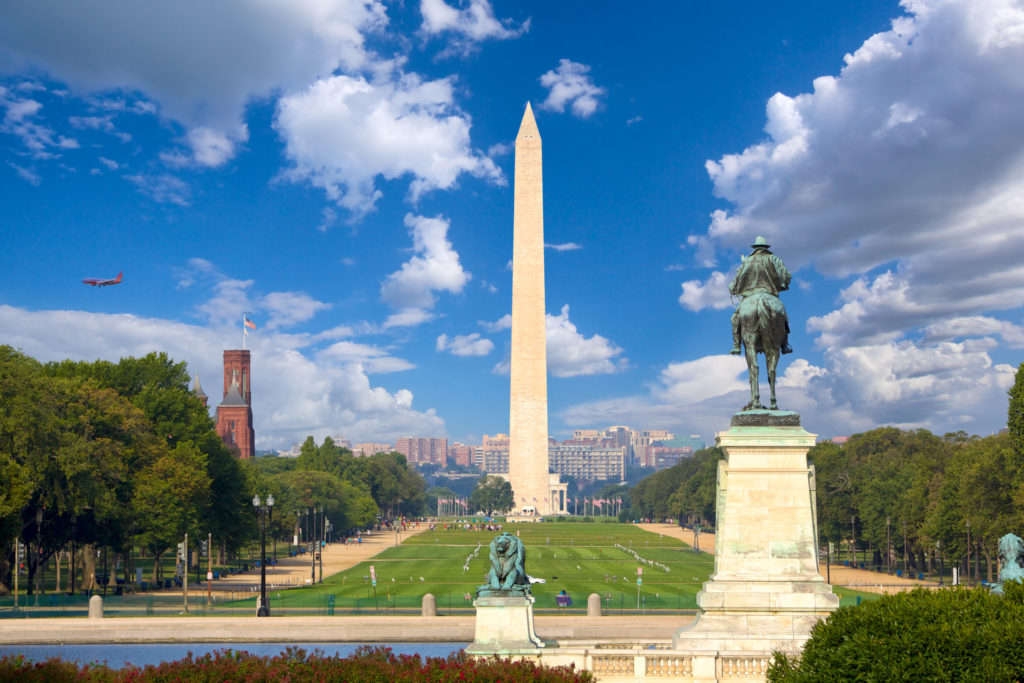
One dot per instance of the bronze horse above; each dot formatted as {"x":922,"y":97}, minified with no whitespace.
{"x":762,"y":322}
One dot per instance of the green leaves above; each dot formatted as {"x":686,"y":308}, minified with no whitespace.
{"x":946,"y":635}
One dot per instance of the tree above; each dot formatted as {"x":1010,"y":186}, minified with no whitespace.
{"x":492,"y":494}
{"x":170,"y":500}
{"x":1015,"y":419}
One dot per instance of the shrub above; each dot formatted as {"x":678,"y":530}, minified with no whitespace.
{"x":368,"y":664}
{"x":958,"y":634}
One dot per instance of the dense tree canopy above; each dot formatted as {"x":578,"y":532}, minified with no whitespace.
{"x":492,"y":494}
{"x":912,"y":492}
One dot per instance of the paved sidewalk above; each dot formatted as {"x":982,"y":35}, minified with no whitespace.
{"x":292,"y":572}
{"x":364,"y":629}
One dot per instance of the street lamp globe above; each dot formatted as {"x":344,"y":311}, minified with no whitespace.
{"x":270,"y":500}
{"x":256,"y":501}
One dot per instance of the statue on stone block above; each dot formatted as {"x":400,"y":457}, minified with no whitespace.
{"x":1011,"y":561}
{"x":760,"y":322}
{"x":508,"y":568}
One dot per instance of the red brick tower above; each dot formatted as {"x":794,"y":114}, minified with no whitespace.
{"x":234,"y":414}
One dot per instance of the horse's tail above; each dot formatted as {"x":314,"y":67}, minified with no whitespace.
{"x":771,"y":332}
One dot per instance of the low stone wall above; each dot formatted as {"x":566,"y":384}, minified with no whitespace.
{"x":655,"y":661}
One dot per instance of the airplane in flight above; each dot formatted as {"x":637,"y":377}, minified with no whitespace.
{"x":98,"y":282}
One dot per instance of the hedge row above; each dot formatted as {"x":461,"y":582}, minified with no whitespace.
{"x":958,"y":634}
{"x":294,"y":665}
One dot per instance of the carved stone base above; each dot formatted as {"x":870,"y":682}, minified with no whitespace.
{"x":766,"y":592}
{"x":504,"y":625}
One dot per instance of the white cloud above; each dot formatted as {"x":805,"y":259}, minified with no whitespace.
{"x":567,"y":246}
{"x":229,"y":302}
{"x":20,"y":119}
{"x":570,"y":85}
{"x":294,"y":395}
{"x":434,"y":267}
{"x":407,"y":317}
{"x":502,"y":323}
{"x":328,"y":218}
{"x":465,"y":344}
{"x":342,"y":132}
{"x":372,"y":359}
{"x":26,"y":174}
{"x":975,"y":326}
{"x":905,"y":171}
{"x":712,"y":293}
{"x":942,"y":387}
{"x":200,"y":63}
{"x":891,"y":160}
{"x":288,"y":308}
{"x":467,"y":27}
{"x":109,"y":163}
{"x":162,"y":187}
{"x":571,"y":354}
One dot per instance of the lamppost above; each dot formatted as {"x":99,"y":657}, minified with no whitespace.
{"x":312,"y":547}
{"x":938,"y":551}
{"x":39,"y":549}
{"x":263,"y":510}
{"x":320,"y":544}
{"x":888,"y":546}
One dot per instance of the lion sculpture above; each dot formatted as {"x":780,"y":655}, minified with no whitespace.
{"x":1011,"y":561}
{"x":508,"y":568}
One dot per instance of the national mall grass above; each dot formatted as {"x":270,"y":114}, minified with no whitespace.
{"x":578,"y":558}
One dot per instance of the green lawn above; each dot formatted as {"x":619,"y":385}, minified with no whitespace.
{"x":579,"y":558}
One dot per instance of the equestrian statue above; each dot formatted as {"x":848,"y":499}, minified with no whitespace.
{"x":760,"y":322}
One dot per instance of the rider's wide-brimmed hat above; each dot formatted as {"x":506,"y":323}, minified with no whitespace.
{"x":760,"y":242}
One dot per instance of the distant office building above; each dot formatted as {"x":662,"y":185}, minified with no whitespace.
{"x":423,"y":451}
{"x":587,"y":460}
{"x":365,"y":450}
{"x":292,"y":452}
{"x":477,"y":459}
{"x":342,"y":443}
{"x":460,"y":454}
{"x":640,"y":441}
{"x":839,"y":440}
{"x":586,"y":435}
{"x":495,"y":454}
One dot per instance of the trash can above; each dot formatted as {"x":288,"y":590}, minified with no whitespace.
{"x":330,"y":605}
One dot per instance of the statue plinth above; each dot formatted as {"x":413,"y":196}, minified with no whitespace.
{"x":504,"y":625}
{"x":766,"y":591}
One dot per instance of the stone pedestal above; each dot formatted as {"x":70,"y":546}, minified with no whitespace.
{"x":504,"y":625}
{"x":766,"y":592}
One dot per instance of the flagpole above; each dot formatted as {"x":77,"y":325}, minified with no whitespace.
{"x":244,"y":333}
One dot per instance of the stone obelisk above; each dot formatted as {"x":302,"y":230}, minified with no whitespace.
{"x":528,"y":406}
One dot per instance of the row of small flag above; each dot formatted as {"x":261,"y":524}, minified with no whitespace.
{"x":599,"y":501}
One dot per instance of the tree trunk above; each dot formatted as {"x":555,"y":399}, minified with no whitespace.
{"x":988,"y":563}
{"x":89,"y":568}
{"x":156,"y":567}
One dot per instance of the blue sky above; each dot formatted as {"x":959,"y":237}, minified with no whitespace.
{"x":342,"y":170}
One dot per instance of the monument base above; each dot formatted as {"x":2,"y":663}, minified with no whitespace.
{"x":766,"y":592}
{"x":504,"y":624}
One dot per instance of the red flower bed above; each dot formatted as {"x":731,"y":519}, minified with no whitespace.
{"x":294,"y":665}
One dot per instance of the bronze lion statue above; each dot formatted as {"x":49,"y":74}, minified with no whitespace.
{"x":1011,"y":561}
{"x":508,"y":568}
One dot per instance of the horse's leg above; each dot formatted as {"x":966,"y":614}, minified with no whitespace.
{"x":771,"y":360}
{"x":750,"y":347}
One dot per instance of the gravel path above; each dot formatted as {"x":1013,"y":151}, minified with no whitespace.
{"x":858,"y":579}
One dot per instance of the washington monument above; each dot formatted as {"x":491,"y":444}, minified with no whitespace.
{"x":534,"y":489}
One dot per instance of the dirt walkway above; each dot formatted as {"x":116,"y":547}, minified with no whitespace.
{"x":857,"y":579}
{"x":292,"y":572}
